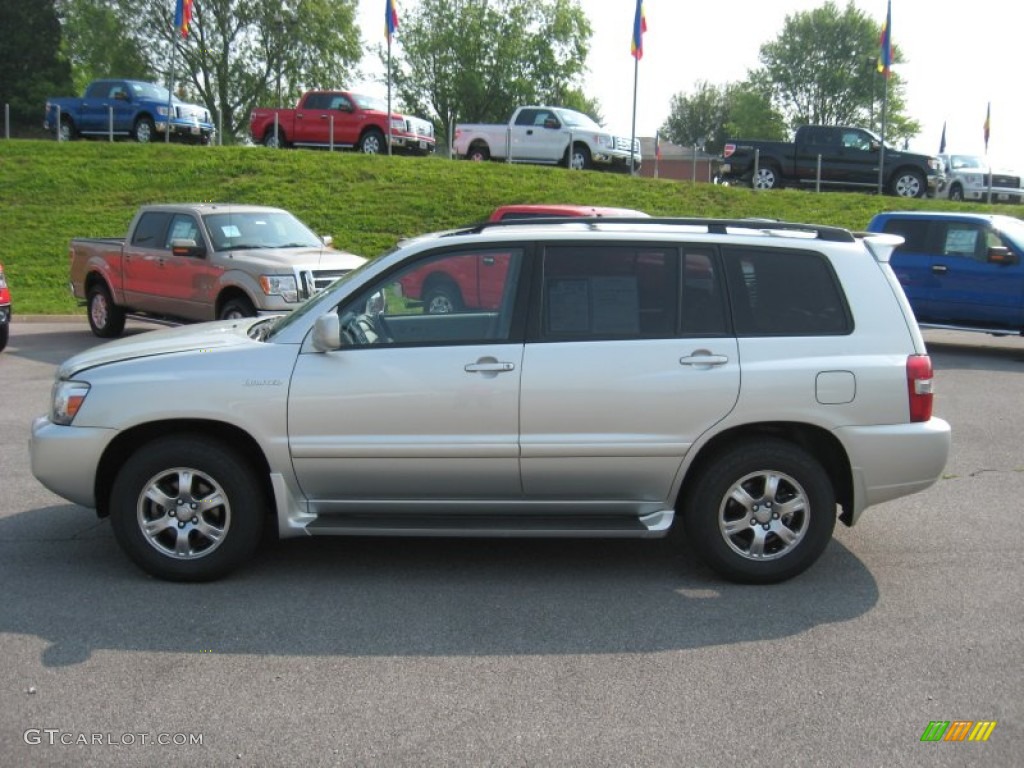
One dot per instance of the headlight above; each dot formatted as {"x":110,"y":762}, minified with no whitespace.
{"x":284,"y":286}
{"x":68,"y":397}
{"x":973,"y":178}
{"x":605,"y":141}
{"x":162,"y":111}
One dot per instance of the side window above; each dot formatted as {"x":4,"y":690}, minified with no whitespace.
{"x":784,"y":293}
{"x":703,"y":310}
{"x":183,"y":227}
{"x":316,"y":101}
{"x":609,"y":292}
{"x":527,"y":117}
{"x":913,"y":231}
{"x":149,"y":232}
{"x":454,"y":298}
{"x":966,"y":241}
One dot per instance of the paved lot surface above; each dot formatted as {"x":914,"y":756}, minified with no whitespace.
{"x":535,"y":653}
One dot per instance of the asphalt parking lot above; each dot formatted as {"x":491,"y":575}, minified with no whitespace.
{"x":390,"y":652}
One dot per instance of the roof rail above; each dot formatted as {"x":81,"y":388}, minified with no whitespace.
{"x":713,"y":226}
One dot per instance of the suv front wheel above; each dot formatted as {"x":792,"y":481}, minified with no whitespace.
{"x":762,"y":512}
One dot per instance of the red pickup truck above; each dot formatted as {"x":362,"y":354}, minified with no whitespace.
{"x":5,"y":309}
{"x":357,"y":120}
{"x":474,"y":282}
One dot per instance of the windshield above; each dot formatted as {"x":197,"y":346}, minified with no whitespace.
{"x":247,"y":230}
{"x":577,"y":119}
{"x":1012,"y":229}
{"x":958,"y":162}
{"x":370,"y":102}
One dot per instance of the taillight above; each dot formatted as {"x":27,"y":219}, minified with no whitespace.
{"x":728,"y":150}
{"x":919,"y":387}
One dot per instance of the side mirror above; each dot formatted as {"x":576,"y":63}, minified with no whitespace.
{"x":1000,"y":254}
{"x":182,"y":247}
{"x":875,"y":145}
{"x":327,"y":333}
{"x":551,"y":123}
{"x":327,"y":240}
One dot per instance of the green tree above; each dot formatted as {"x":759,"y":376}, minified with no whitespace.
{"x":476,"y":60}
{"x":822,"y":69}
{"x":97,"y":43}
{"x":712,"y":113}
{"x":30,"y":44}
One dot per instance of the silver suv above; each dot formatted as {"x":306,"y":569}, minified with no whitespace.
{"x":743,"y":383}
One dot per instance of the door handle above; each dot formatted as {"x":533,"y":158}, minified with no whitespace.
{"x":703,"y":358}
{"x":489,"y":367}
{"x":530,"y":132}
{"x":940,"y":269}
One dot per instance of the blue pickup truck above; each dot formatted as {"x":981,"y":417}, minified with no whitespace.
{"x":963,"y":271}
{"x":127,"y":108}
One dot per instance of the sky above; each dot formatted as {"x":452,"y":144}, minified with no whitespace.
{"x":958,"y":59}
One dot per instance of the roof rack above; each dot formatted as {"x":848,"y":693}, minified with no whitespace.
{"x":713,"y":226}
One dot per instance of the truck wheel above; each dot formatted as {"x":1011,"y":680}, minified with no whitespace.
{"x":909,"y":183}
{"x":956,"y":192}
{"x":763,"y":512}
{"x":767,"y":177}
{"x":441,"y":298}
{"x":372,"y":142}
{"x":235,"y":309}
{"x":105,"y":318}
{"x":274,"y":142}
{"x":478,"y":153}
{"x":67,"y":130}
{"x":187,"y":508}
{"x":580,"y":160}
{"x":143,"y":130}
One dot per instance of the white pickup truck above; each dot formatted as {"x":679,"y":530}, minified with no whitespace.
{"x":544,"y":135}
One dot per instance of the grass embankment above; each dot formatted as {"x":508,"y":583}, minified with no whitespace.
{"x":50,"y":193}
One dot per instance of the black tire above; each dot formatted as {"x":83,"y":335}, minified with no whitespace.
{"x":105,"y":318}
{"x":144,"y":130}
{"x":237,"y":308}
{"x":767,"y":177}
{"x":67,"y":129}
{"x":956,"y":192}
{"x":478,"y":153}
{"x":908,"y":183}
{"x":5,"y":334}
{"x":441,"y":298}
{"x":221,"y":493}
{"x":274,"y":142}
{"x":372,"y":142}
{"x":754,"y":543}
{"x":579,"y":159}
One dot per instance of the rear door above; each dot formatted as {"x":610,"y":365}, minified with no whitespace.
{"x":629,"y":360}
{"x":912,"y":261}
{"x":538,"y":135}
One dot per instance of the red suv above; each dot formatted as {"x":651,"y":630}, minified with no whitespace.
{"x":476,"y":282}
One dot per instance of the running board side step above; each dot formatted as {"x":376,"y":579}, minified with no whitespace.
{"x":653,"y":525}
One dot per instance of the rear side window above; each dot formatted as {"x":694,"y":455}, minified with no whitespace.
{"x":784,"y":293}
{"x":609,"y":292}
{"x":149,"y":232}
{"x":913,"y":231}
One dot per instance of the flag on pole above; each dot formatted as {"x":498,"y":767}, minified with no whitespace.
{"x":183,"y":16}
{"x":988,"y":124}
{"x":390,"y":18}
{"x":636,"y":46}
{"x":885,"y":54}
{"x":942,"y":141}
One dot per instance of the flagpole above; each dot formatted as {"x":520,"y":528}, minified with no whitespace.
{"x":389,"y":93}
{"x":170,"y":88}
{"x":632,"y":136}
{"x":881,"y":149}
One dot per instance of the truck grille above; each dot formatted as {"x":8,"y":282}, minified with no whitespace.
{"x":314,"y":282}
{"x":622,"y":145}
{"x":1004,"y":180}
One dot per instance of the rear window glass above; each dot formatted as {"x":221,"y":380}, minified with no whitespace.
{"x":149,"y":232}
{"x":913,"y":231}
{"x":784,"y":293}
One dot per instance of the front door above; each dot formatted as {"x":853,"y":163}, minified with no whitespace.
{"x":418,"y":411}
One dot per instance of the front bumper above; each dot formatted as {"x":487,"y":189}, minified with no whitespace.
{"x":66,"y":459}
{"x":413,"y":143}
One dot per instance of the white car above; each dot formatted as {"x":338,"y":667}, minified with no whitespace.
{"x":746,"y":383}
{"x":967,"y":178}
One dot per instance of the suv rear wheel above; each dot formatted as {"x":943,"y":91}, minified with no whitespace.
{"x":762,"y":512}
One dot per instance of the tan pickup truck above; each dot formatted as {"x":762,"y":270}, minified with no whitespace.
{"x":202,"y":261}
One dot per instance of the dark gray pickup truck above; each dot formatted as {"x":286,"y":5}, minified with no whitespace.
{"x":848,"y":158}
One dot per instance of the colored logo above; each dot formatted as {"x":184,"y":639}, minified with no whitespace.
{"x":958,"y":730}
